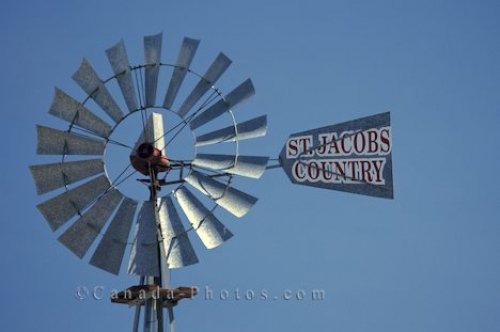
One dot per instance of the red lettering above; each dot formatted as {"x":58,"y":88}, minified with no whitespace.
{"x":306,"y":146}
{"x":343,"y":145}
{"x":298,"y":171}
{"x":322,"y":145}
{"x":372,"y":141}
{"x":334,"y":145}
{"x":385,"y":140}
{"x":313,"y":170}
{"x":327,"y":172}
{"x":359,"y":142}
{"x":365,"y":171}
{"x":378,"y":165}
{"x":292,"y":149}
{"x":340,"y":170}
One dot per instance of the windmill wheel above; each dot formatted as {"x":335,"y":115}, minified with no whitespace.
{"x":92,"y":205}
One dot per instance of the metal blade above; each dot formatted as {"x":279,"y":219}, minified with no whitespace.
{"x":80,"y":236}
{"x":61,"y":208}
{"x":57,"y":142}
{"x":209,"y":229}
{"x":152,"y":55}
{"x":217,"y":68}
{"x":89,"y":81}
{"x":234,"y":201}
{"x":70,"y":110}
{"x":249,"y":166}
{"x":52,"y":176}
{"x":177,"y":247}
{"x":152,"y":133}
{"x":109,"y":253}
{"x":244,"y":91}
{"x":118,"y":59}
{"x":144,"y":254}
{"x":256,"y":127}
{"x":186,"y":55}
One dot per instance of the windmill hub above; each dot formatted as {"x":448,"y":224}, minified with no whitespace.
{"x":148,"y":158}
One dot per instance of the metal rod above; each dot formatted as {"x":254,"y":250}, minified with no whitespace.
{"x":149,"y":316}
{"x":153,"y":317}
{"x":171,"y":319}
{"x":157,"y":305}
{"x":137,"y":316}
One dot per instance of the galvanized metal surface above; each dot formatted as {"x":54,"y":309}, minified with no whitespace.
{"x":52,"y":176}
{"x":61,"y":208}
{"x":153,"y":133}
{"x":242,"y":92}
{"x":109,"y":253}
{"x":253,"y":128}
{"x":186,"y":55}
{"x":70,"y":110}
{"x":137,"y":314}
{"x":233,"y":200}
{"x":150,"y":322}
{"x":144,"y":253}
{"x":118,"y":59}
{"x":176,"y":245}
{"x":79,"y":237}
{"x":214,"y":72}
{"x":89,"y":81}
{"x":313,"y":167}
{"x":248,"y":166}
{"x":152,"y":55}
{"x":208,"y":228}
{"x":57,"y":142}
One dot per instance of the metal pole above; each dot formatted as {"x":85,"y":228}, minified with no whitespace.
{"x":171,"y":319}
{"x":167,"y":284}
{"x":164,"y":279}
{"x":137,"y":316}
{"x":156,"y":304}
{"x":149,"y":317}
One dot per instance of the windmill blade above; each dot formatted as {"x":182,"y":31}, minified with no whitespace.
{"x":57,"y":142}
{"x":153,"y":132}
{"x":208,"y":228}
{"x":118,"y":59}
{"x":242,"y":92}
{"x":249,"y":166}
{"x":109,"y":253}
{"x":177,"y":247}
{"x":253,"y":128}
{"x":144,"y":254}
{"x":57,"y":175}
{"x":89,"y":81}
{"x":152,"y":54}
{"x":79,"y":237}
{"x":58,"y":210}
{"x":186,"y":55}
{"x":214,"y":72}
{"x":70,"y":110}
{"x":234,"y":201}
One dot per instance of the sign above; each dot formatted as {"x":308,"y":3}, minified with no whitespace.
{"x":353,"y":156}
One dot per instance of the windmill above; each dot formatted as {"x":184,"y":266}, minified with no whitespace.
{"x":91,"y":211}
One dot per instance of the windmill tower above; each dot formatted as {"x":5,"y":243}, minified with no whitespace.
{"x":90,"y":210}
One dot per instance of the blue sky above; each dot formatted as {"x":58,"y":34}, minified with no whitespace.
{"x":425,"y":261}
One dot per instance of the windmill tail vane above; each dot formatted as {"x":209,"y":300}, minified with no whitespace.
{"x":90,"y":211}
{"x":354,"y":156}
